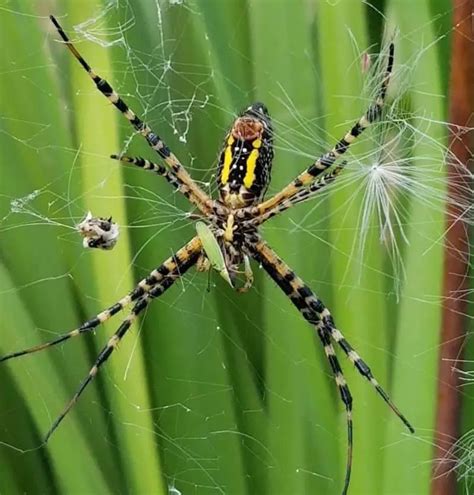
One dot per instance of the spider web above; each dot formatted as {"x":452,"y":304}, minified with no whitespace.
{"x":191,"y":381}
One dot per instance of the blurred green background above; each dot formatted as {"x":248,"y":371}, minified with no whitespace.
{"x":215,"y":392}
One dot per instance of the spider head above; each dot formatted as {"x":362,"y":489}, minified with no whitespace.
{"x":246,"y":158}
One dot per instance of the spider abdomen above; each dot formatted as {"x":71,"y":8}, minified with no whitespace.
{"x":246,"y":158}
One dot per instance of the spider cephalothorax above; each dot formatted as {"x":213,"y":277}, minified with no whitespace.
{"x":227,"y":233}
{"x":230,"y":231}
{"x":246,"y":158}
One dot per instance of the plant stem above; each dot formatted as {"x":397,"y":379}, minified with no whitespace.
{"x":455,"y":263}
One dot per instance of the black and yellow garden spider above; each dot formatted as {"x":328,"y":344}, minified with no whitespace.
{"x":232,"y":225}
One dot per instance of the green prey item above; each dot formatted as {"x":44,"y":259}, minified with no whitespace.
{"x":213,"y":251}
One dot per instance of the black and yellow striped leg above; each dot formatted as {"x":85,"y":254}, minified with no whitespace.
{"x":86,"y":327}
{"x":325,"y":161}
{"x":283,"y":276}
{"x":197,"y":195}
{"x":180,"y":267}
{"x":301,"y":196}
{"x":148,"y":165}
{"x":314,"y":311}
{"x":143,"y":287}
{"x":101,"y":359}
{"x":345,"y":394}
{"x":360,"y":364}
{"x":157,"y":169}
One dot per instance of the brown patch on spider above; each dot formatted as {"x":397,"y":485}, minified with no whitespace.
{"x":247,"y":128}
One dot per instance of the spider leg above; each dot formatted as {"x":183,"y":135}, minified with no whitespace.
{"x":314,"y":311}
{"x":101,"y":359}
{"x":301,"y":196}
{"x":157,"y":276}
{"x":153,"y":167}
{"x":181,"y":266}
{"x":197,"y":196}
{"x":249,"y":278}
{"x":346,"y":398}
{"x":360,"y":364}
{"x":328,"y":159}
{"x":157,"y":169}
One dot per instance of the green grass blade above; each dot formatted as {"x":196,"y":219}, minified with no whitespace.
{"x":58,"y":463}
{"x":35,"y":144}
{"x":407,"y":463}
{"x":359,"y":305}
{"x":300,"y":399}
{"x":103,"y":194}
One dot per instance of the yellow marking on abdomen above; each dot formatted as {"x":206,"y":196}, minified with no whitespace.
{"x":227,"y":160}
{"x":251,"y":164}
